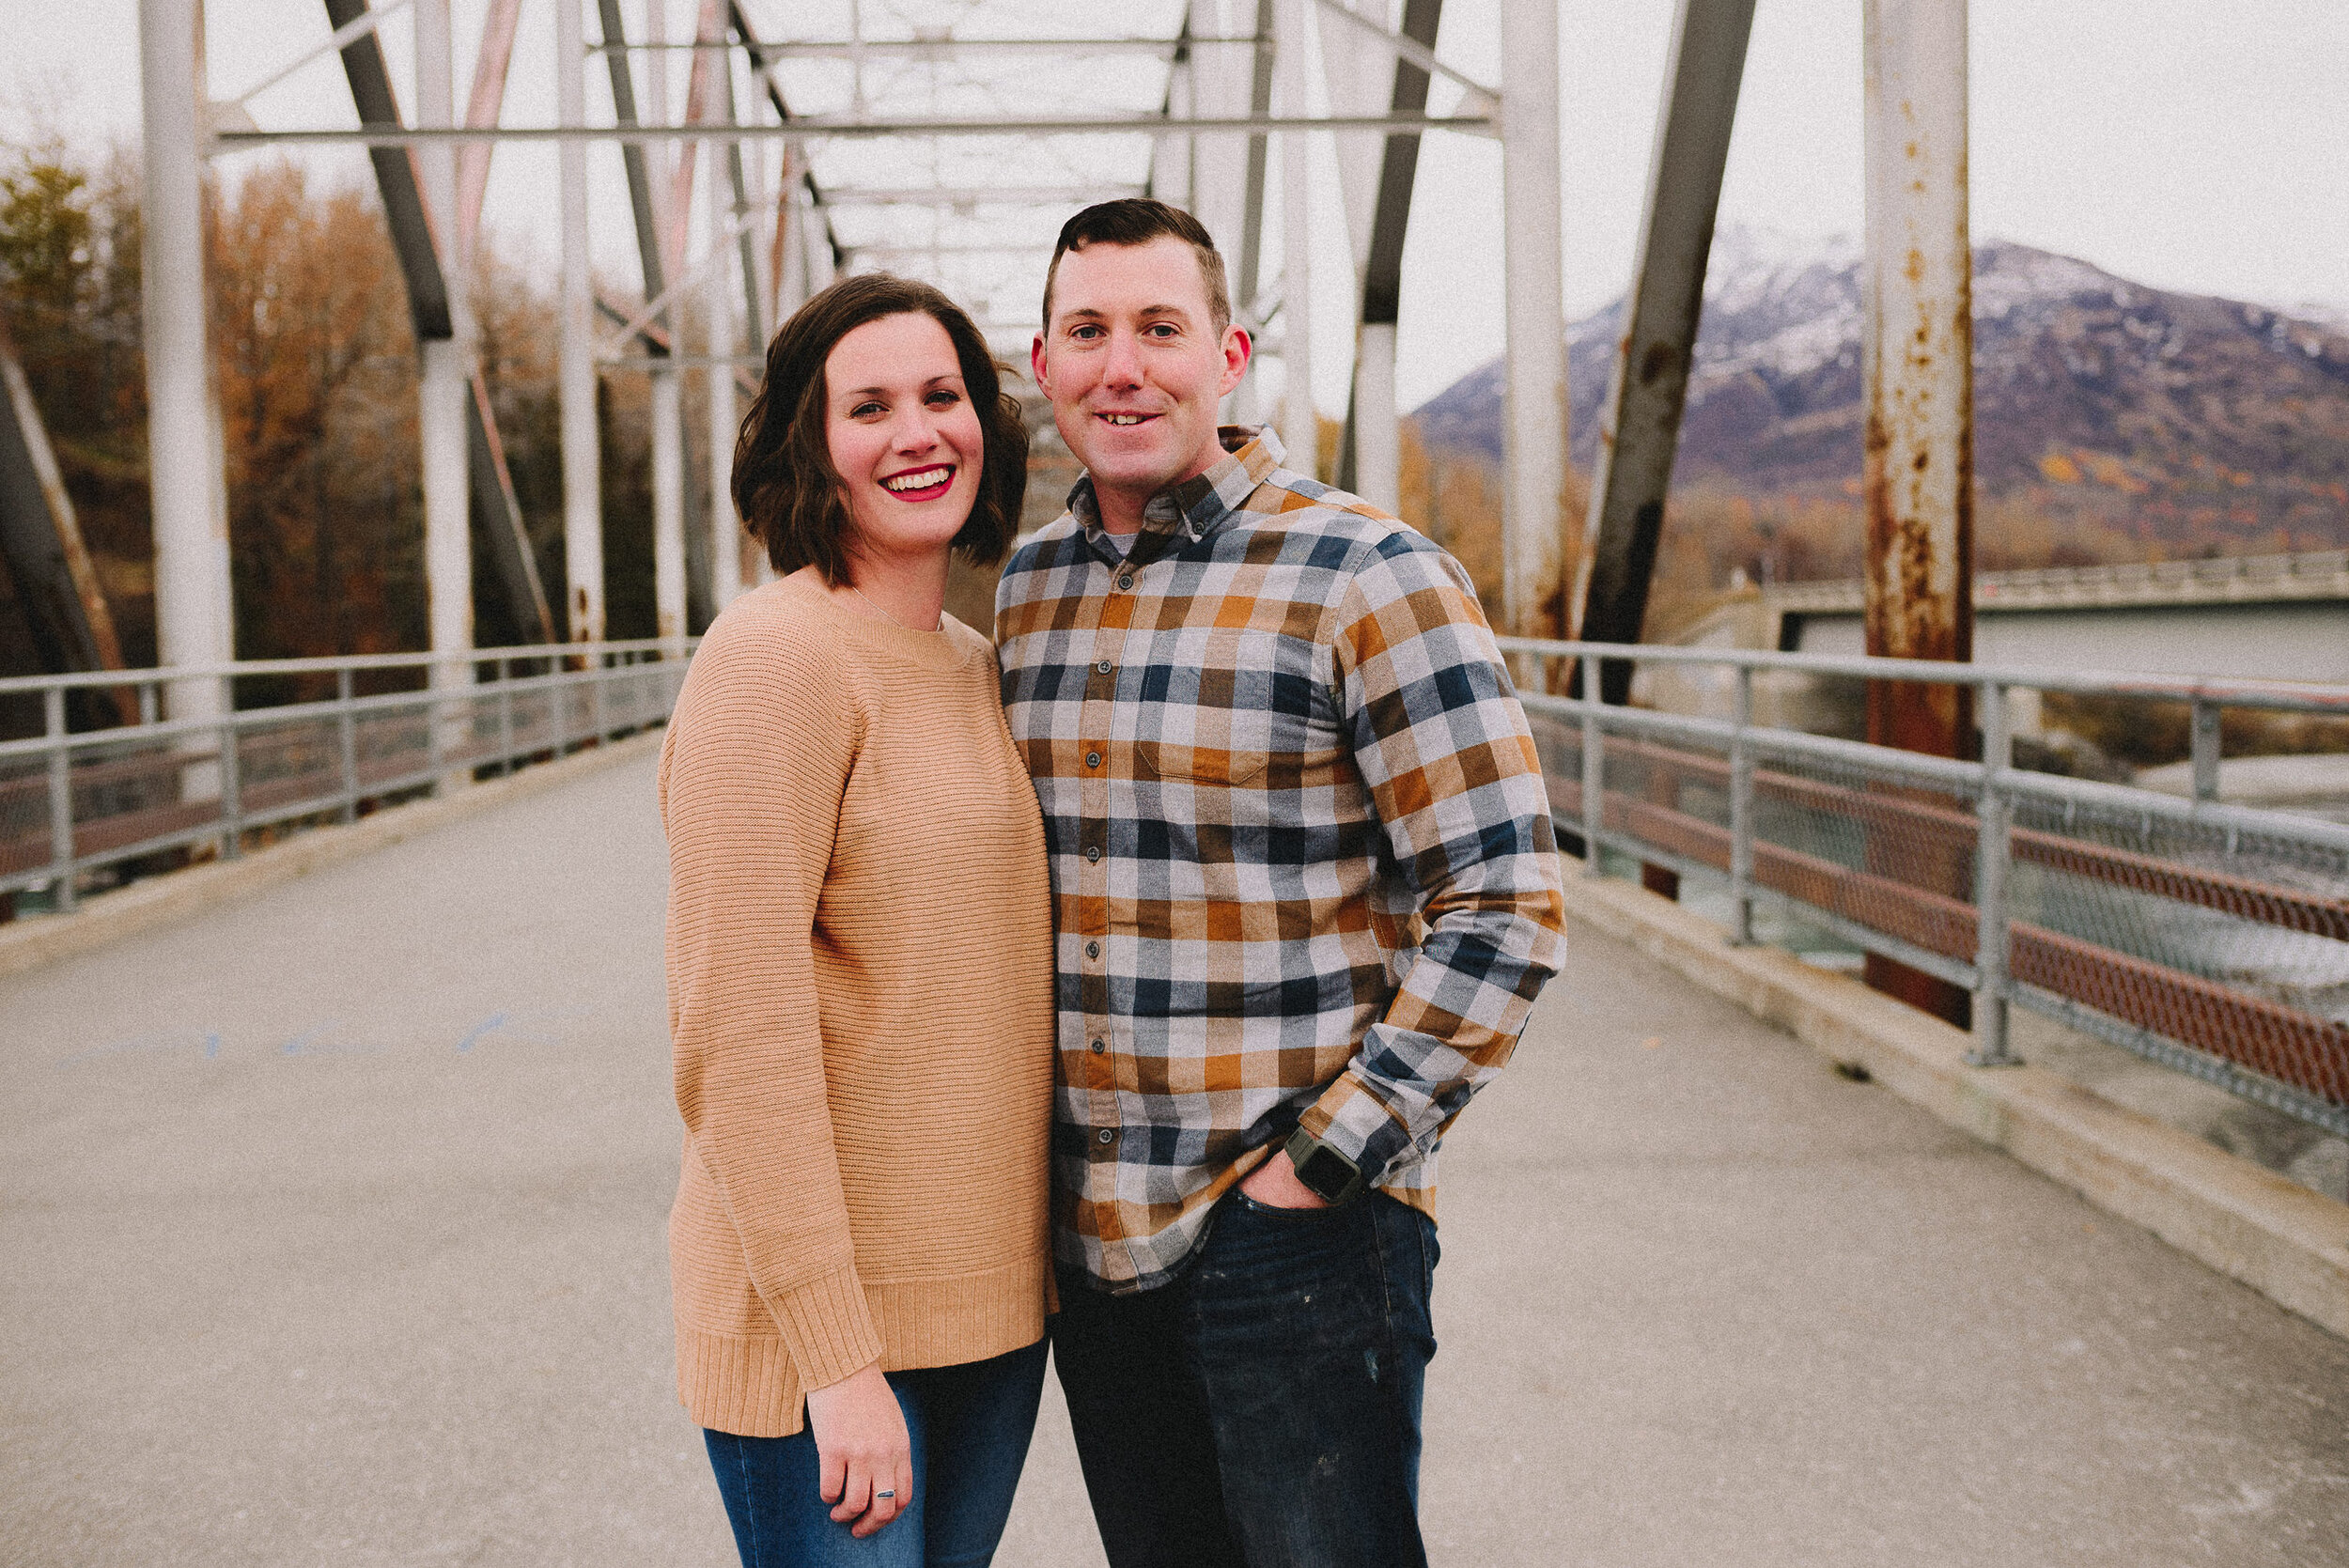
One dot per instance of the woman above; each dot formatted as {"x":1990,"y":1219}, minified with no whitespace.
{"x":860,"y":966}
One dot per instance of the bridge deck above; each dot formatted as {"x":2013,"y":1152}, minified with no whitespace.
{"x":333,"y":1229}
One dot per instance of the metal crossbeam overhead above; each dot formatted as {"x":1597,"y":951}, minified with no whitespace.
{"x":976,"y":196}
{"x":896,"y":250}
{"x":935,"y":49}
{"x":852,"y":128}
{"x":1189,"y":115}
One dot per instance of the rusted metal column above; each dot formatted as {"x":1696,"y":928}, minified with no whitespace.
{"x":1918,"y":372}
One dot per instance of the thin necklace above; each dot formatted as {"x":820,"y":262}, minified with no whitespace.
{"x":885,"y":615}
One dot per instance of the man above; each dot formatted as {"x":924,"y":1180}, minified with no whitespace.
{"x":1307,"y":892}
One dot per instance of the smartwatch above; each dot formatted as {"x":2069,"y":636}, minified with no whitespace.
{"x":1327,"y":1174}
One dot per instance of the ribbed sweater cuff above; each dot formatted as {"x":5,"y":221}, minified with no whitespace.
{"x":828,"y":1328}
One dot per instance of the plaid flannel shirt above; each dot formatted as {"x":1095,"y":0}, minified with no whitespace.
{"x":1300,"y":849}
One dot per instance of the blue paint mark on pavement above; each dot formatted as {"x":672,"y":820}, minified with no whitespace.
{"x":489,"y":1025}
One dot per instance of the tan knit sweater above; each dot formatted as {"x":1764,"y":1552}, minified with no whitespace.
{"x":859,"y":957}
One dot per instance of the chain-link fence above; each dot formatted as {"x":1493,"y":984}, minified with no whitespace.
{"x":83,"y":804}
{"x":2210,"y":937}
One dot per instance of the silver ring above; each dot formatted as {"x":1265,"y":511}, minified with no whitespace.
{"x":885,"y":1494}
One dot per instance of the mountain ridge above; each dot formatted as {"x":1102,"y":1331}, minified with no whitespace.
{"x":2187,"y":422}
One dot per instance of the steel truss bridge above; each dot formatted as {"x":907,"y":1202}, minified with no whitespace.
{"x":949,"y":142}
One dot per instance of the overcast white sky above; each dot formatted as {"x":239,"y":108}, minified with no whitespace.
{"x":2181,"y":143}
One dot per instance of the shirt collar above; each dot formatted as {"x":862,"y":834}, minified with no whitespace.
{"x":1193,"y":508}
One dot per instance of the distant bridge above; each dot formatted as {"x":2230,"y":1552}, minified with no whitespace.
{"x":2255,"y":618}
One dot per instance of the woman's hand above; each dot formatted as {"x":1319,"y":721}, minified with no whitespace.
{"x":861,"y":1445}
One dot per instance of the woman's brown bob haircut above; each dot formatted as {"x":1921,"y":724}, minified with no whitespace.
{"x":783,"y":482}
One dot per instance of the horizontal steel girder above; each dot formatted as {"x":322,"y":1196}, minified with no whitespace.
{"x":819,"y":127}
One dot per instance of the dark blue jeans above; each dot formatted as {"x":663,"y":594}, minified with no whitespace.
{"x":1262,"y":1411}
{"x":970,"y":1427}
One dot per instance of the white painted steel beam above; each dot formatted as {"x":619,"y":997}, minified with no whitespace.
{"x":1299,"y":425}
{"x":1220,"y":78}
{"x":194,"y":609}
{"x":1533,"y":401}
{"x":445,"y":384}
{"x":582,"y":503}
{"x":668,"y":500}
{"x":725,"y":549}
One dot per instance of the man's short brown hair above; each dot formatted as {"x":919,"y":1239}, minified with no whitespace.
{"x":1137,"y":220}
{"x":784,"y":485}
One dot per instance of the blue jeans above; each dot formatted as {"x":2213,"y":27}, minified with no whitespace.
{"x":1262,"y":1410}
{"x":969,"y":1426}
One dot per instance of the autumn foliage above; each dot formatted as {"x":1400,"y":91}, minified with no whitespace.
{"x":316,"y":366}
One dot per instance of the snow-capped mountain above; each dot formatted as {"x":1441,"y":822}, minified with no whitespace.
{"x":2177,"y":416}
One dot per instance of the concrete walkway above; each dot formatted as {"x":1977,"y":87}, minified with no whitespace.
{"x":332,"y":1235}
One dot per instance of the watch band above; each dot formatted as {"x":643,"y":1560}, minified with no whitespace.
{"x":1327,"y":1174}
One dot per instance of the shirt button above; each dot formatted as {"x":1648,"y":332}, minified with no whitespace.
{"x":1093,"y":759}
{"x":1093,"y":950}
{"x":1106,"y":1136}
{"x":1098,"y":1047}
{"x":1103,"y":667}
{"x":1126,"y":581}
{"x":1094,"y":854}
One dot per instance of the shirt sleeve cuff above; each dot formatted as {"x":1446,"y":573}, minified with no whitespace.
{"x":827,"y":1329}
{"x":1358,"y":1125}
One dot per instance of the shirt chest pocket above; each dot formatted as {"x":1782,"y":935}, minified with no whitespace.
{"x":1243,"y":710}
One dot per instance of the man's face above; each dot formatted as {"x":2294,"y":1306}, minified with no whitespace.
{"x":1134,"y":366}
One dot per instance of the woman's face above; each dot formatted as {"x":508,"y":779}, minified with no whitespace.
{"x":904,"y":437}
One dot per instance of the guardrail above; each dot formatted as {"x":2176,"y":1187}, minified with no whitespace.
{"x":2308,"y":574}
{"x":2210,"y":937}
{"x":75,"y":801}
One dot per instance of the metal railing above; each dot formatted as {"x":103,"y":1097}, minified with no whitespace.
{"x":90,"y":793}
{"x":2308,"y":574}
{"x":2211,"y":939}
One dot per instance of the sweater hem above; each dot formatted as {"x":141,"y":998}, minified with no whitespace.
{"x":748,"y":1385}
